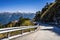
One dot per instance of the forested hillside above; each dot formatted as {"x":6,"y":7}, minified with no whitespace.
{"x":49,"y":14}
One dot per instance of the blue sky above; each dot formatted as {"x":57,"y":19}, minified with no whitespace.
{"x":22,"y":5}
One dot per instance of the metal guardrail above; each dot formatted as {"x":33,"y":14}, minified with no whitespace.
{"x":3,"y":30}
{"x":7,"y":31}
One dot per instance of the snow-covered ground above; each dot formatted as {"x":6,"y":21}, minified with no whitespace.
{"x":43,"y":33}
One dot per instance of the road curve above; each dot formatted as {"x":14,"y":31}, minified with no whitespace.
{"x":41,"y":34}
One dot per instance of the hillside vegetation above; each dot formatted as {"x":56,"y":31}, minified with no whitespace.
{"x":49,"y":14}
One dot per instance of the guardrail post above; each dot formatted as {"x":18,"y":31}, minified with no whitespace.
{"x":8,"y":35}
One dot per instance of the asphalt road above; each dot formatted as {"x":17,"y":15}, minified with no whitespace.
{"x":44,"y":33}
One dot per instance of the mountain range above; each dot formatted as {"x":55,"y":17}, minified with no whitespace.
{"x":7,"y":17}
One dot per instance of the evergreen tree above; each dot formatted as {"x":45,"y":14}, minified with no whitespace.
{"x":37,"y":16}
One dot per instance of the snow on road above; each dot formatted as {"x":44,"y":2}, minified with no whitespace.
{"x":41,"y":34}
